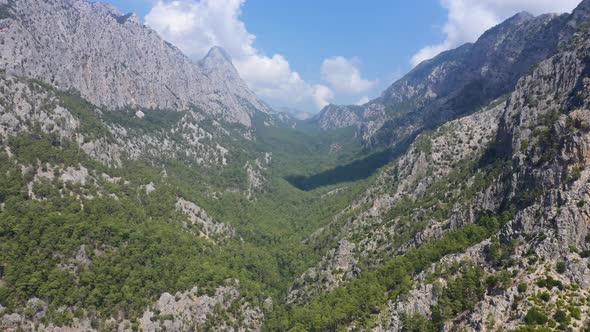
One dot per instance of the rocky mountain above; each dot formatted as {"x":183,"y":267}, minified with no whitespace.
{"x":116,"y":62}
{"x":143,"y":192}
{"x":458,"y":81}
{"x":480,"y":226}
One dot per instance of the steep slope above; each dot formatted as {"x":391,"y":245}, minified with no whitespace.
{"x":458,"y":81}
{"x":123,"y":217}
{"x":115,"y":62}
{"x":481,"y":226}
{"x":544,"y":247}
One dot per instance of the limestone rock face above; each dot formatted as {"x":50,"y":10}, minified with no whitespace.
{"x":338,"y":266}
{"x":458,"y":81}
{"x":205,"y":224}
{"x":114,"y":61}
{"x":190,"y":311}
{"x":542,"y":132}
{"x":27,"y":106}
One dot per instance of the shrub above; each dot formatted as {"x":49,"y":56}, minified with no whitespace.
{"x":549,"y":283}
{"x":535,"y":317}
{"x":545,"y":296}
{"x":561,"y":267}
{"x":491,"y":281}
{"x":522,"y":287}
{"x":561,"y":316}
{"x":575,"y":312}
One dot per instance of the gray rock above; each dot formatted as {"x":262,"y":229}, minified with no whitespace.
{"x":116,"y":62}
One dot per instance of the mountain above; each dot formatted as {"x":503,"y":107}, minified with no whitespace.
{"x":480,"y":225}
{"x":143,"y":191}
{"x":458,"y":81}
{"x":114,"y":61}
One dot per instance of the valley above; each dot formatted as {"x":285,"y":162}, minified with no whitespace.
{"x":143,"y":191}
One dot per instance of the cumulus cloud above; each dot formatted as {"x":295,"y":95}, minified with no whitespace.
{"x":196,"y":26}
{"x":362,"y":101}
{"x":344,"y":75}
{"x":468,"y":19}
{"x":321,"y":95}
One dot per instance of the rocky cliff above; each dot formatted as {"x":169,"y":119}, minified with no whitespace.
{"x":523,"y":157}
{"x":114,"y":61}
{"x":458,"y":81}
{"x":128,"y":203}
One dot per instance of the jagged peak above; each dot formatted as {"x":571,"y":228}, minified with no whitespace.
{"x":218,"y":53}
{"x":218,"y":60}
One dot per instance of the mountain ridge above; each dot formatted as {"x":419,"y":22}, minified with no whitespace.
{"x":458,"y":200}
{"x":149,"y":72}
{"x":433,"y":90}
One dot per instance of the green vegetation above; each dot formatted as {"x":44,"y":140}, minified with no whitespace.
{"x":547,"y":139}
{"x":90,"y":122}
{"x":136,"y":243}
{"x":561,"y":317}
{"x":137,"y":246}
{"x":415,"y":323}
{"x":545,"y":297}
{"x":561,"y":267}
{"x":152,"y":120}
{"x":550,"y":283}
{"x":461,"y":294}
{"x":535,"y":317}
{"x":309,"y":158}
{"x":134,"y":246}
{"x":362,"y":297}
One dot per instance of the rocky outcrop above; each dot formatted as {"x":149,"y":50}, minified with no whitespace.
{"x":193,"y":310}
{"x":337,"y":266}
{"x":417,"y":176}
{"x":27,"y":107}
{"x":222,"y":310}
{"x":255,"y":174}
{"x":204,"y":223}
{"x":543,"y":131}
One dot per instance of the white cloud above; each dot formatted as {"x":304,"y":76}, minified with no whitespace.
{"x":196,"y":26}
{"x":362,"y":101}
{"x":468,"y":19}
{"x":321,"y":95}
{"x":344,"y":75}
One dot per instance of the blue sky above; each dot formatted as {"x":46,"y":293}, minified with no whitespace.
{"x":307,"y":53}
{"x":383,"y":35}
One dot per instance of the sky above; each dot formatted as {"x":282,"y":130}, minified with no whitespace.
{"x":305,"y":54}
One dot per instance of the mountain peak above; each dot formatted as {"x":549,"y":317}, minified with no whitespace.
{"x":218,"y":60}
{"x":507,"y":25}
{"x":217,"y":54}
{"x":520,"y":17}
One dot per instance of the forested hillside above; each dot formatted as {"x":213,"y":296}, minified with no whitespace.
{"x":175,"y":200}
